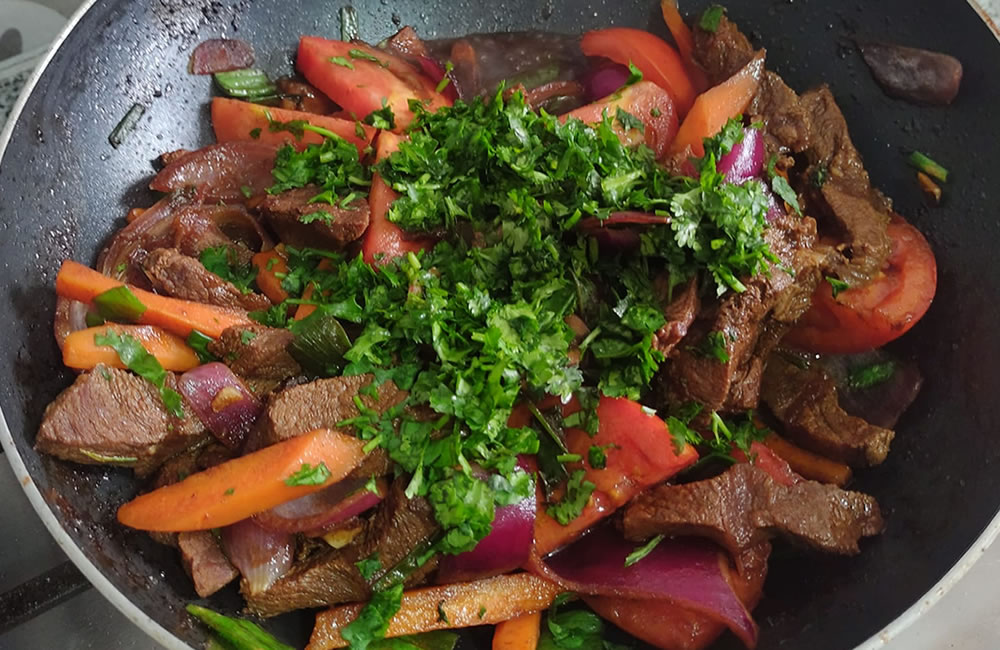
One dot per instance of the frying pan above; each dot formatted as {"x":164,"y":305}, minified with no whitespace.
{"x":63,"y":189}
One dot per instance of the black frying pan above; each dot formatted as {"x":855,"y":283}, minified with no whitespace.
{"x":63,"y":189}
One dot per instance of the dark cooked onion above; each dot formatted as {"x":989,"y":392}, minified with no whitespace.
{"x":745,"y":160}
{"x":320,"y":512}
{"x":224,"y":405}
{"x":687,"y":572}
{"x":152,"y":229}
{"x":221,"y":172}
{"x":71,"y":316}
{"x":221,"y":55}
{"x":262,"y":556}
{"x":604,"y":80}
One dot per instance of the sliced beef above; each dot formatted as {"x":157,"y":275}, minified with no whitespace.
{"x":680,"y":312}
{"x":805,"y":401}
{"x":175,"y":274}
{"x":333,"y":229}
{"x":786,"y":122}
{"x":258,"y":354}
{"x":744,"y":506}
{"x":298,"y":95}
{"x":751,"y":323}
{"x":723,"y":52}
{"x":329,"y":576}
{"x":193,"y":231}
{"x":322,"y":404}
{"x":205,"y":562}
{"x":112,"y":417}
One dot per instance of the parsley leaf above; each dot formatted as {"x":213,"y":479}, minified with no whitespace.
{"x":309,"y":475}
{"x":199,"y":343}
{"x":578,"y":491}
{"x":711,"y":18}
{"x":138,"y":360}
{"x":628,"y":121}
{"x":713,"y":346}
{"x":837,"y":285}
{"x":382,"y":118}
{"x":643,"y":550}
{"x":871,"y":375}
{"x":221,"y":260}
{"x":374,"y":618}
{"x":781,"y":187}
{"x":369,"y":566}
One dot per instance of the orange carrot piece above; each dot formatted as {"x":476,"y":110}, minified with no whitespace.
{"x":465,"y":604}
{"x":233,"y":119}
{"x":81,"y":352}
{"x":519,"y":633}
{"x":685,"y":43}
{"x":244,"y":486}
{"x":267,"y":280}
{"x":134,"y":214}
{"x":715,"y":106}
{"x":78,"y":282}
{"x":809,"y":465}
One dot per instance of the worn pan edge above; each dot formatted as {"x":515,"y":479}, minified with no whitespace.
{"x":168,"y":640}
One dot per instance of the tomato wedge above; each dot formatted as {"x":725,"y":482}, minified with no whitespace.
{"x":646,"y":101}
{"x":658,"y":62}
{"x":362,"y":79}
{"x":867,"y":317}
{"x":233,"y":119}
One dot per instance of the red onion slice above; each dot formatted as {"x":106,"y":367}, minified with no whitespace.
{"x":225,"y":406}
{"x":262,"y":556}
{"x":71,"y":316}
{"x":152,"y":229}
{"x":745,"y":160}
{"x":604,"y":80}
{"x":220,"y":172}
{"x":690,"y":573}
{"x":320,"y":512}
{"x":221,"y":55}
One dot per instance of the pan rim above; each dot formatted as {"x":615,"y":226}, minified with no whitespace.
{"x":170,"y":641}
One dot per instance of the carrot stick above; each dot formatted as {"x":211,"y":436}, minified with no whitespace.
{"x":78,"y":282}
{"x":267,"y":280}
{"x":481,"y":602}
{"x":519,"y":633}
{"x":685,"y":43}
{"x":808,"y":464}
{"x":715,"y":106}
{"x":244,"y":486}
{"x":81,"y":352}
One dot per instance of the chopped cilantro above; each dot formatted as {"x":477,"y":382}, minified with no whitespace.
{"x":246,"y":191}
{"x":837,"y":285}
{"x":597,"y":456}
{"x":382,"y":118}
{"x":710,"y":20}
{"x":333,"y":165}
{"x":634,"y":74}
{"x":255,"y":133}
{"x":781,"y":187}
{"x":199,"y":343}
{"x":442,"y":616}
{"x":871,"y":375}
{"x":230,"y":492}
{"x":374,"y":618}
{"x":369,"y":566}
{"x":643,"y":550}
{"x":572,"y":629}
{"x":309,"y":475}
{"x":222,"y":261}
{"x":819,"y":176}
{"x":713,"y":346}
{"x":628,"y":121}
{"x":655,"y":112}
{"x":482,"y":611}
{"x":318,"y":215}
{"x":578,"y":491}
{"x":365,"y":56}
{"x":445,"y":80}
{"x":138,"y":360}
{"x":246,"y":336}
{"x":342,"y":62}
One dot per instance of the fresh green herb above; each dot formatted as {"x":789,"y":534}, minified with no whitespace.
{"x":199,"y":343}
{"x":436,"y":640}
{"x":361,"y":55}
{"x":655,"y":112}
{"x":138,"y":360}
{"x":369,"y":566}
{"x":442,"y":616}
{"x":930,"y":167}
{"x":713,"y":346}
{"x":127,"y":125}
{"x":342,"y":62}
{"x":230,"y":492}
{"x":222,"y":261}
{"x":628,"y":121}
{"x":333,"y":166}
{"x":578,"y":491}
{"x":309,"y":475}
{"x":246,"y":191}
{"x":597,"y":456}
{"x":569,"y":458}
{"x":349,"y":25}
{"x":382,"y":118}
{"x":236,"y":633}
{"x":119,"y":305}
{"x":734,"y":433}
{"x":255,"y":133}
{"x":113,"y":459}
{"x":634,"y":74}
{"x":837,"y":285}
{"x":105,"y":373}
{"x":374,"y":618}
{"x":249,"y":84}
{"x":643,"y":551}
{"x":710,"y":20}
{"x":246,"y":336}
{"x":871,"y":375}
{"x":820,"y":175}
{"x":573,"y":629}
{"x":446,"y":79}
{"x":781,"y":187}
{"x":482,"y":611}
{"x":318,"y":215}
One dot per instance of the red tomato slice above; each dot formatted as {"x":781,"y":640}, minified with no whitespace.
{"x":383,"y":236}
{"x":645,"y":100}
{"x":233,"y":119}
{"x":360,"y":85}
{"x":867,"y":317}
{"x":659,"y":62}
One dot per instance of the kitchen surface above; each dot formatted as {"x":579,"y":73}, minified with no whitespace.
{"x":45,"y":603}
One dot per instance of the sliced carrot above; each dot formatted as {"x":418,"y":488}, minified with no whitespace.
{"x":81,"y":352}
{"x":482,"y":602}
{"x":269,"y":264}
{"x":244,"y":486}
{"x":519,"y":633}
{"x":716,"y":106}
{"x":658,"y":62}
{"x":233,"y":119}
{"x":304,"y":311}
{"x":685,"y":43}
{"x":78,"y":282}
{"x":134,"y":214}
{"x":809,"y":465}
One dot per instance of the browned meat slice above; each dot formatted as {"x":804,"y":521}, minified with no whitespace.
{"x":112,"y":417}
{"x":175,"y":274}
{"x":300,"y":223}
{"x":258,"y":354}
{"x":329,"y":576}
{"x":680,"y":313}
{"x":805,"y":401}
{"x":193,"y":232}
{"x":205,"y":562}
{"x":721,"y":53}
{"x":786,"y":123}
{"x":744,"y":506}
{"x":298,"y":95}
{"x":322,"y":404}
{"x":407,"y":44}
{"x":918,"y":76}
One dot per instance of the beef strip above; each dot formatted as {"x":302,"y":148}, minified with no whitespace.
{"x":680,"y":312}
{"x":112,"y":417}
{"x":329,"y":576}
{"x":744,"y":506}
{"x":298,"y":95}
{"x":205,"y":562}
{"x":175,"y":274}
{"x":723,"y":52}
{"x":258,"y":354}
{"x":805,"y":401}
{"x":193,"y":232}
{"x":284,"y":213}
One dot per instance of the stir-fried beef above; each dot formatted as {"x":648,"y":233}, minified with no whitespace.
{"x":193,"y":232}
{"x":205,"y":562}
{"x":786,"y":123}
{"x":329,"y":576}
{"x":112,"y":417}
{"x":297,"y":95}
{"x":300,"y":223}
{"x":258,"y":354}
{"x":750,"y":324}
{"x":321,"y":404}
{"x":723,"y":52}
{"x":175,"y":274}
{"x":805,"y":401}
{"x":744,"y":506}
{"x":679,"y":313}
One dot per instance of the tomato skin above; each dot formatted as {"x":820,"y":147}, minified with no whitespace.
{"x":657,"y":60}
{"x":865,"y":318}
{"x":366,"y":85}
{"x":233,"y":119}
{"x":645,"y":100}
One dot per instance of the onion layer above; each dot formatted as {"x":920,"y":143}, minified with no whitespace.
{"x":604,"y":80}
{"x":262,"y":556}
{"x":225,"y":406}
{"x":320,"y":512}
{"x":745,"y":160}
